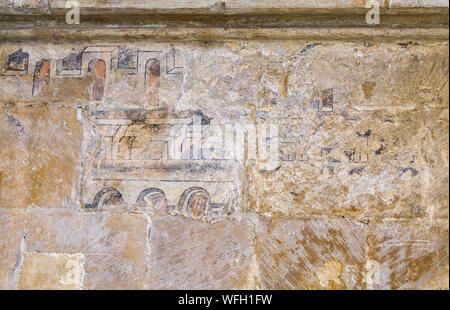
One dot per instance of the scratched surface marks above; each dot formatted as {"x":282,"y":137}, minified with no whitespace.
{"x":92,"y":198}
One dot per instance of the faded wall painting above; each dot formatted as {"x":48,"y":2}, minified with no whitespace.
{"x":241,"y":158}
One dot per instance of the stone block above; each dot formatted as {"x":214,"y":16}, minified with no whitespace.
{"x":55,"y":230}
{"x":407,"y":256}
{"x":34,"y":168}
{"x":44,"y":271}
{"x":12,"y":225}
{"x":115,"y":272}
{"x":187,"y":254}
{"x":355,"y":148}
{"x":311,"y":254}
{"x":116,"y":250}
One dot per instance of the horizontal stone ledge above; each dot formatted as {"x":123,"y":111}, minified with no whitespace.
{"x":40,"y":13}
{"x":227,"y":13}
{"x":215,"y":5}
{"x":312,"y":19}
{"x":210,"y":6}
{"x":357,"y":34}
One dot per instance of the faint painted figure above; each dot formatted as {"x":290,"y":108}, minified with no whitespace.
{"x":195,"y":202}
{"x":153,"y":198}
{"x":98,"y":67}
{"x":106,"y":196}
{"x":152,"y":80}
{"x":16,"y":63}
{"x":70,"y":65}
{"x":41,"y":76}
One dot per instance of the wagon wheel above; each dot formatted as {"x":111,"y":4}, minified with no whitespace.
{"x":153,"y":198}
{"x":195,"y":202}
{"x":106,"y":196}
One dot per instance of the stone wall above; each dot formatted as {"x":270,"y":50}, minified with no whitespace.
{"x":91,"y":196}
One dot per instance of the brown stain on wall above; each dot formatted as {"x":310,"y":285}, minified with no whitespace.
{"x":47,"y":172}
{"x":153,"y":73}
{"x":368,"y":89}
{"x":98,"y":66}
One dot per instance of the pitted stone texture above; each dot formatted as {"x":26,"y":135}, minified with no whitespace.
{"x":43,"y":271}
{"x":12,"y":224}
{"x":310,"y":254}
{"x":363,"y":154}
{"x":407,"y":256}
{"x":185,"y":254}
{"x":40,"y":148}
{"x":386,"y":178}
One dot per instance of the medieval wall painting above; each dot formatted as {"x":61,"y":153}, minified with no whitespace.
{"x":201,"y":139}
{"x":15,"y":63}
